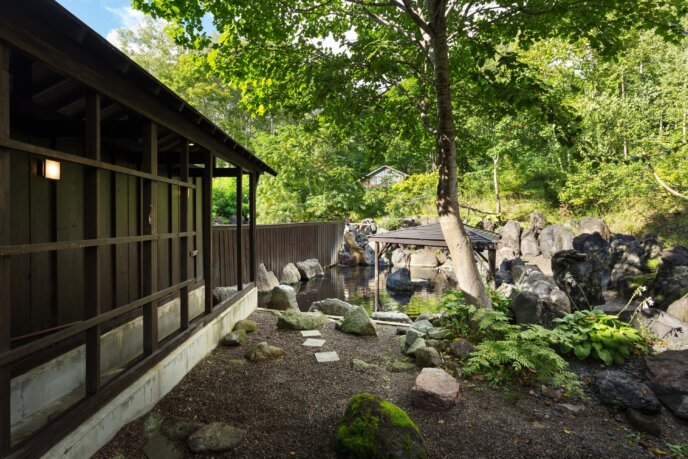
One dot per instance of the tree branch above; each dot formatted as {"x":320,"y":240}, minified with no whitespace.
{"x":664,"y":185}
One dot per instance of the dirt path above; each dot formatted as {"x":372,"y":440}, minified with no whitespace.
{"x":291,"y":406}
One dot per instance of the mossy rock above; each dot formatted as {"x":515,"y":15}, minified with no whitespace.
{"x":375,"y":428}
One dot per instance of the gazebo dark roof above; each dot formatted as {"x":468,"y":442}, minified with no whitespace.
{"x":431,"y":236}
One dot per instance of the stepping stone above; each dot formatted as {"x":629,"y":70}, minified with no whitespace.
{"x":323,"y":357}
{"x":310,"y":333}
{"x":311,"y":342}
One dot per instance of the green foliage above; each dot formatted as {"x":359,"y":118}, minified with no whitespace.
{"x":598,"y":335}
{"x":224,"y":198}
{"x":678,"y":450}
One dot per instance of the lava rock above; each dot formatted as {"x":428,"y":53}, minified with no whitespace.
{"x":580,"y":276}
{"x":644,"y":423}
{"x":620,"y":389}
{"x":668,"y":377}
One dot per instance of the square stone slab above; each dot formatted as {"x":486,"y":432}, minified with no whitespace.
{"x":310,"y":333}
{"x":311,"y":342}
{"x":323,"y":357}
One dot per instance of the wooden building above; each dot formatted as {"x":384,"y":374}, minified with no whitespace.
{"x":105,"y":226}
{"x":385,"y":175}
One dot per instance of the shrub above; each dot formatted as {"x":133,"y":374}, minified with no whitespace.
{"x":598,"y":335}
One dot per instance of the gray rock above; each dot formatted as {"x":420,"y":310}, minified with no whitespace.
{"x":422,"y":326}
{"x":400,"y":281}
{"x":668,"y":377}
{"x":423,"y":259}
{"x":435,"y":389}
{"x":263,"y":351}
{"x":428,"y":357}
{"x":401,"y":367}
{"x":671,"y":284}
{"x":399,"y":257}
{"x":438,"y":333}
{"x":310,"y":268}
{"x":217,"y":437}
{"x":429,"y":342}
{"x":537,"y":221}
{"x":297,"y":320}
{"x":249,"y":326}
{"x":182,"y":429}
{"x":357,"y":322}
{"x":412,"y":335}
{"x":598,"y":253}
{"x":644,"y":423}
{"x":236,"y":338}
{"x":290,"y":275}
{"x":553,"y":239}
{"x":331,"y":306}
{"x":152,"y":424}
{"x":161,"y":447}
{"x":508,"y":290}
{"x":369,"y":256}
{"x":389,"y":432}
{"x":511,"y":236}
{"x":462,"y":348}
{"x":529,"y":308}
{"x":417,"y":344}
{"x":529,"y":244}
{"x":360,"y":365}
{"x":679,"y":309}
{"x":591,"y":225}
{"x":220,"y":294}
{"x":283,"y":297}
{"x":487,"y":225}
{"x":391,"y":317}
{"x":265,"y":280}
{"x":424,"y":316}
{"x":620,"y":389}
{"x":580,"y":277}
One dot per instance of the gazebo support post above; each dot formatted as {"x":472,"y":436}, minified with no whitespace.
{"x":377,"y":275}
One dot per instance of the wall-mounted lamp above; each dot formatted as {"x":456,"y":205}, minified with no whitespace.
{"x":49,"y":169}
{"x":191,"y":144}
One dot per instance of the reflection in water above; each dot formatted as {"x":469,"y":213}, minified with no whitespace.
{"x":356,"y":285}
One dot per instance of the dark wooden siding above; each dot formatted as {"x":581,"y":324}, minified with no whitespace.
{"x":276,"y":246}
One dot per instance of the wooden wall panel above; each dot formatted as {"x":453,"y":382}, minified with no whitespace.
{"x":20,"y":234}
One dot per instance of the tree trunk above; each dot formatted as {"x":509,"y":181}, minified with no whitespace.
{"x":455,"y":235}
{"x":498,"y":203}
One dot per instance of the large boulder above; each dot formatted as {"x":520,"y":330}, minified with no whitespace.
{"x":400,"y":280}
{"x":538,"y":299}
{"x":591,"y":225}
{"x":537,"y":222}
{"x":631,"y":256}
{"x":435,"y":389}
{"x":263,"y":351}
{"x":310,"y":268}
{"x":679,"y":309}
{"x":668,"y":377}
{"x":671,"y":281}
{"x":529,"y":244}
{"x":598,"y":251}
{"x":331,"y":306}
{"x":369,"y":255}
{"x":353,"y":249}
{"x":511,"y":236}
{"x":391,"y":316}
{"x":265,"y":280}
{"x":553,"y":239}
{"x":290,"y":275}
{"x":375,"y":428}
{"x":428,"y":357}
{"x":620,"y":389}
{"x":357,"y":322}
{"x":283,"y":297}
{"x":580,"y":277}
{"x":297,"y":320}
{"x":217,"y":437}
{"x":423,"y":259}
{"x":398,"y":257}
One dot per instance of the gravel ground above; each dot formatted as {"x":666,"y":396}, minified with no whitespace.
{"x":291,"y":406}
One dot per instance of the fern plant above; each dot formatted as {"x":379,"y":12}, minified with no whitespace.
{"x":598,"y":335}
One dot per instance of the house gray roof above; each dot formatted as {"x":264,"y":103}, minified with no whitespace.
{"x":385,"y":167}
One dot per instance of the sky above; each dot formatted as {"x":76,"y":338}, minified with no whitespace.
{"x":104,"y":16}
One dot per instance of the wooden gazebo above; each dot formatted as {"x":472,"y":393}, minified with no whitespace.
{"x":105,"y":225}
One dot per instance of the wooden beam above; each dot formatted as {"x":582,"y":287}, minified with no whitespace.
{"x":5,"y":266}
{"x":253,"y":185}
{"x":92,"y":230}
{"x":207,"y":232}
{"x":150,"y":248}
{"x":183,"y":227}
{"x":239,"y":237}
{"x":69,"y":58}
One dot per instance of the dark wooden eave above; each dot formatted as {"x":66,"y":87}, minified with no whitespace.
{"x":431,"y":236}
{"x":49,"y":33}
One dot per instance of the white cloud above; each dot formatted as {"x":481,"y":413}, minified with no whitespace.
{"x":129,"y":18}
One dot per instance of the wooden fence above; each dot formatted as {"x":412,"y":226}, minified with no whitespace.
{"x":276,"y":246}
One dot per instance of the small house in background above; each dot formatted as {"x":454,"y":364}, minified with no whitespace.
{"x":384,"y":175}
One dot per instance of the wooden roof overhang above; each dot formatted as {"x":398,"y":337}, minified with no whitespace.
{"x":431,"y":236}
{"x":85,"y":61}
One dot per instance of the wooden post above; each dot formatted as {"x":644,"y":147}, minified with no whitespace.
{"x":492,"y":261}
{"x":5,"y":265}
{"x":377,"y":275}
{"x":150,"y":248}
{"x":253,"y":185}
{"x":239,"y":217}
{"x":207,"y":232}
{"x":92,"y":230}
{"x":183,"y":228}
